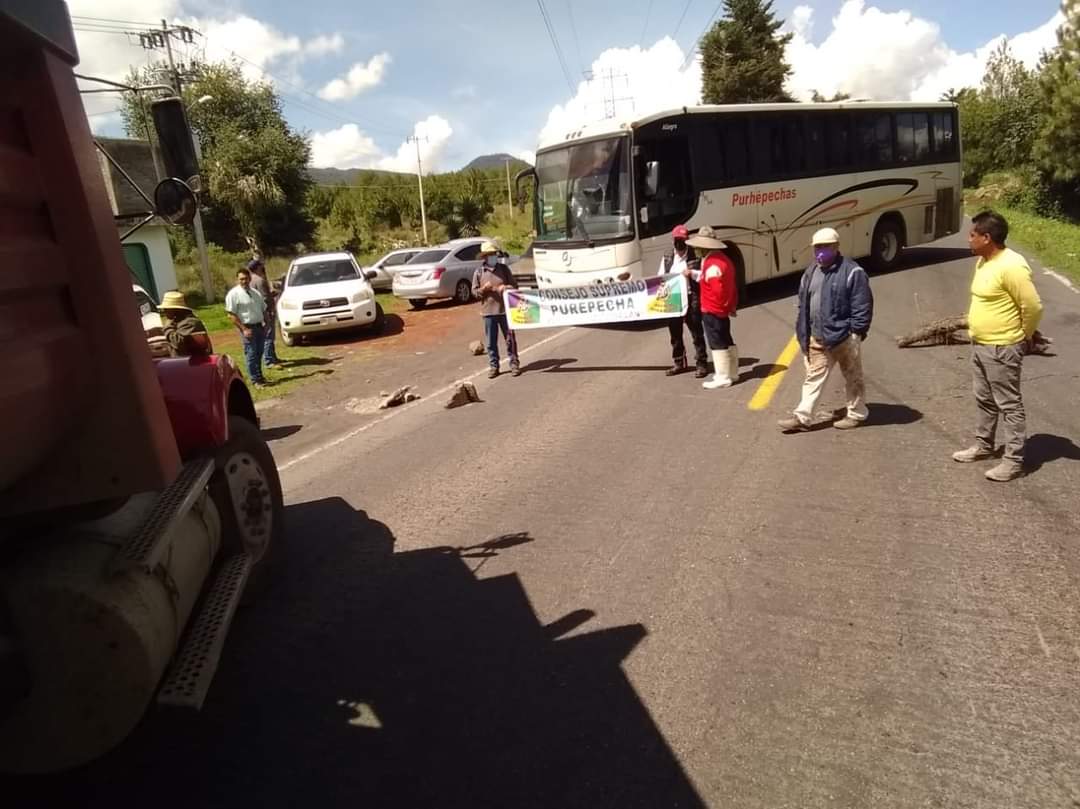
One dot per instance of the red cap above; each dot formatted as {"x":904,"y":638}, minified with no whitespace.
{"x":680,"y":232}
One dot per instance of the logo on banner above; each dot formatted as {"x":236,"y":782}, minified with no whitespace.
{"x":667,"y":299}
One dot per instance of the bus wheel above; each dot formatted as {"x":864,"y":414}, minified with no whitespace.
{"x":887,"y":245}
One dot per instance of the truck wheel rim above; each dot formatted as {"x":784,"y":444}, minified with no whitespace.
{"x":252,"y":501}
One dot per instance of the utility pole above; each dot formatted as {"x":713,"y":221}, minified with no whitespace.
{"x":152,"y":40}
{"x":167,"y":34}
{"x":509,"y":195}
{"x":420,"y":178}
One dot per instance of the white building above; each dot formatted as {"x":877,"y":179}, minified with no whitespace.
{"x":147,"y":250}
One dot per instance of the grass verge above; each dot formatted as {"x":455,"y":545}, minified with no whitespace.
{"x":302,"y":364}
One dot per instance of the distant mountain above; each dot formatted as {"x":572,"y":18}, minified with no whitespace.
{"x":496,"y":161}
{"x":343,"y":176}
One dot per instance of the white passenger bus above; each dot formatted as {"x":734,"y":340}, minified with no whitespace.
{"x":766,"y":176}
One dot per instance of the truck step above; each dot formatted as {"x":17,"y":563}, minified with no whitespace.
{"x":192,"y":671}
{"x":143,"y":551}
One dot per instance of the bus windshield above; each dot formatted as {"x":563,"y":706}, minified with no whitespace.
{"x":583,"y":191}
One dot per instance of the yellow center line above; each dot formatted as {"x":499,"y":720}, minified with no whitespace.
{"x":763,"y":395}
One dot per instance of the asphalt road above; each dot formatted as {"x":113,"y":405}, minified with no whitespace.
{"x":602,"y":587}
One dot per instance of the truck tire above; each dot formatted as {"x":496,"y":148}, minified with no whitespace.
{"x":246,"y":489}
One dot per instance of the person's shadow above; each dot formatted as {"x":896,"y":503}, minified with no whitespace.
{"x":1042,"y":449}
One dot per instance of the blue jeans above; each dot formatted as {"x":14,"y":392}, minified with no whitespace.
{"x":493,"y":324}
{"x":253,"y":352}
{"x":270,"y":354}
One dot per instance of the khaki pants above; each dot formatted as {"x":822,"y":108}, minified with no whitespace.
{"x":848,"y":355}
{"x":996,"y":374}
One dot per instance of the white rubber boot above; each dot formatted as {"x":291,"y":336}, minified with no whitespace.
{"x":722,"y":376}
{"x":733,"y":364}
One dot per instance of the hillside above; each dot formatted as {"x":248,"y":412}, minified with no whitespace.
{"x":344,"y":176}
{"x":496,"y":161}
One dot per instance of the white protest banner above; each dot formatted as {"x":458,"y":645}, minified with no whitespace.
{"x":647,"y":299}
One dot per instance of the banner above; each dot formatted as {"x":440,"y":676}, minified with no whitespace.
{"x":648,"y":299}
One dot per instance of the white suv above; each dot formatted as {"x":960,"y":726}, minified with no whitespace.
{"x":324,"y":292}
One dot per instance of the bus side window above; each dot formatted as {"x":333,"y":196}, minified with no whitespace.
{"x":921,"y":132}
{"x":675,"y":198}
{"x":943,"y":145}
{"x":838,"y":141}
{"x":815,"y":143}
{"x":875,"y":140}
{"x":905,"y":137}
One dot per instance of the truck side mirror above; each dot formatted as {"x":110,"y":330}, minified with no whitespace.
{"x":175,"y":202}
{"x":174,"y":138}
{"x":652,"y":178}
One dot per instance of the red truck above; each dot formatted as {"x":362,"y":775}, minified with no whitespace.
{"x":138,"y":499}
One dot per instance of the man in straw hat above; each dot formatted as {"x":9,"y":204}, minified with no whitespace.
{"x":835,"y":310}
{"x":489,"y":282}
{"x":185,"y":333}
{"x":719,"y":300}
{"x":683,"y":261}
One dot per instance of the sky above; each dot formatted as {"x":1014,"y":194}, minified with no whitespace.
{"x":484,"y":76}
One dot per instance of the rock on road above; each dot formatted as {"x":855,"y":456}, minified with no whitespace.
{"x":601,"y":587}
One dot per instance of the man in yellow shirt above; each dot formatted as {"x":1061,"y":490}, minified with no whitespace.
{"x":1004,"y":314}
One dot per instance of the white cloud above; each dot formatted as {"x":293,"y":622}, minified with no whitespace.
{"x":526,"y":155}
{"x":346,"y":147}
{"x":467,"y":91}
{"x":909,"y":58}
{"x":111,"y":55}
{"x":434,"y":133}
{"x":350,"y":147}
{"x":360,"y":77}
{"x":322,"y":45}
{"x":642,"y":81}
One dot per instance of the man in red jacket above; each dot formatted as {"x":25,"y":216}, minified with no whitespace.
{"x":719,"y":300}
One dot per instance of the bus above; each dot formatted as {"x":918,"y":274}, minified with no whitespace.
{"x":764,"y":176}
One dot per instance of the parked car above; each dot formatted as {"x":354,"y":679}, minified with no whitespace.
{"x":148,"y":310}
{"x":441,"y":272}
{"x":325,"y":292}
{"x":389,"y":264}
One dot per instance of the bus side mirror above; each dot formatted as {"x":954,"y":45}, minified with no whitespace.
{"x":652,"y":178}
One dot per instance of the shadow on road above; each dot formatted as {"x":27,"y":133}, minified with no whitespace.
{"x":394,"y":326}
{"x":885,"y":413}
{"x":1042,"y":449}
{"x":277,"y":433}
{"x":787,"y":286}
{"x":368,"y":678}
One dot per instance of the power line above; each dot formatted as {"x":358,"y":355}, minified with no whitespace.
{"x":701,"y":36}
{"x":555,"y":45}
{"x":307,"y":107}
{"x":573,"y":32}
{"x":678,"y":25}
{"x":81,"y":18}
{"x":645,"y":27}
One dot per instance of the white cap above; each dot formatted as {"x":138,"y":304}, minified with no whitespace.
{"x":826,"y":236}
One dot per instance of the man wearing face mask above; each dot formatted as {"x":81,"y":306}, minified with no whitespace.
{"x":489,"y":282}
{"x":683,"y":261}
{"x":835,"y":310}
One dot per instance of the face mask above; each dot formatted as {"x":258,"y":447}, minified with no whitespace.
{"x":491,"y":261}
{"x":825,"y":256}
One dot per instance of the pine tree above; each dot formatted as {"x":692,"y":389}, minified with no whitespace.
{"x":1057,"y":149}
{"x":743,"y":55}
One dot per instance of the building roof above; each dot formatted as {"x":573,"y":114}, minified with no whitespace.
{"x":136,"y":158}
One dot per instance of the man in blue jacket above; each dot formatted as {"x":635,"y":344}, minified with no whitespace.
{"x":835,"y":310}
